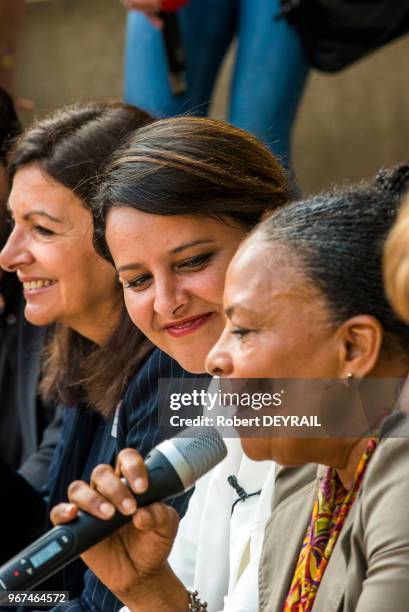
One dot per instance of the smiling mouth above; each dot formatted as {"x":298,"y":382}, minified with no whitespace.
{"x":38,"y":284}
{"x":187,"y":326}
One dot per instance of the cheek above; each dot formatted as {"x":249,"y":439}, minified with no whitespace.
{"x":88,"y":275}
{"x":53,"y":259}
{"x":252,"y":360}
{"x":139,"y":309}
{"x":208,"y":286}
{"x":65,"y":259}
{"x":74,"y":290}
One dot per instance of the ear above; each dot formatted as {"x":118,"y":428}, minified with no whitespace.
{"x":360,"y":341}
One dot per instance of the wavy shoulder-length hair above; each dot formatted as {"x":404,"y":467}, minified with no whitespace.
{"x":72,"y":146}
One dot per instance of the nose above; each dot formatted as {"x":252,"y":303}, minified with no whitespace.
{"x":219,"y":361}
{"x":14,"y":254}
{"x":171,"y":298}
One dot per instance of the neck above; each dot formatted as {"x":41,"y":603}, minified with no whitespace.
{"x":98,"y":329}
{"x":99,"y":335}
{"x":347,"y":474}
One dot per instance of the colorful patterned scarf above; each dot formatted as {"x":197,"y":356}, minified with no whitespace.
{"x":330,"y":511}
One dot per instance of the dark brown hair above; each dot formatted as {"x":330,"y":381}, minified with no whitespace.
{"x":72,"y":146}
{"x":191,"y":166}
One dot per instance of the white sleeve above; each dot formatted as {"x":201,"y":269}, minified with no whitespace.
{"x":183,"y":556}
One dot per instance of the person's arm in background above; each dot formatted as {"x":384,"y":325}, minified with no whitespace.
{"x":150,"y":8}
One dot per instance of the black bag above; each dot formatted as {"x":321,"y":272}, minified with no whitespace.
{"x":336,"y":33}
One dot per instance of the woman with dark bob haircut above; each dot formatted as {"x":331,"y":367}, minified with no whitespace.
{"x":304,"y":298}
{"x":173,"y":206}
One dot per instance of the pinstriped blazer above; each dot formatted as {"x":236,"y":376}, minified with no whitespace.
{"x":137,"y":427}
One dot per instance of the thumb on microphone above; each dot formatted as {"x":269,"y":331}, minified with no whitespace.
{"x":63,"y":513}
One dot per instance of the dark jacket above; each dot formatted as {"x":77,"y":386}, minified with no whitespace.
{"x":29,"y":428}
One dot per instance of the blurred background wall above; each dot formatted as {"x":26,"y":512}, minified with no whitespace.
{"x":349,"y":124}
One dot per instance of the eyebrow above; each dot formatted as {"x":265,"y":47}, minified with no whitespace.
{"x":178,"y":249}
{"x":40,"y":213}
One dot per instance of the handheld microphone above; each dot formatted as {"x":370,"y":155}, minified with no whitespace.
{"x":175,"y":52}
{"x":173,"y":467}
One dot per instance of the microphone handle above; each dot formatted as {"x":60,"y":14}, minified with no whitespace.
{"x":174,"y":52}
{"x":61,"y":545}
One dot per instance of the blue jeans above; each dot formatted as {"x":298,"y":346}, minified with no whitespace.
{"x":268,"y":77}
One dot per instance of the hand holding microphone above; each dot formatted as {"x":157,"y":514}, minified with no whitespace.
{"x":127,"y":559}
{"x":124,"y":560}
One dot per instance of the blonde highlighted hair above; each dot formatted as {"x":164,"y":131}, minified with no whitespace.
{"x":396,"y":263}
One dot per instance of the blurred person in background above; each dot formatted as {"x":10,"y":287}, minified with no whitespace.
{"x":268,"y":78}
{"x":396,"y":263}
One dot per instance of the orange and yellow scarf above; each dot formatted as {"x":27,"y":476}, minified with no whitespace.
{"x":329,"y":513}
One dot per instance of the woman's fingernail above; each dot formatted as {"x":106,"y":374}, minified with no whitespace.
{"x":106,"y":509}
{"x":139,"y":485}
{"x":68,"y":509}
{"x":128,"y":505}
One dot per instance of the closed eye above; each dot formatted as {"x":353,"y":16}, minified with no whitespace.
{"x":196,"y":262}
{"x":241,"y":332}
{"x":43,"y":231}
{"x":192,"y":264}
{"x":137,"y":283}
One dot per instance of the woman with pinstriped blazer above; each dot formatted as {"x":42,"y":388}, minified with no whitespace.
{"x":175,"y":202}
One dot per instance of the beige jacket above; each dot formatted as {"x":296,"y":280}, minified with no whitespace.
{"x":369,"y":568}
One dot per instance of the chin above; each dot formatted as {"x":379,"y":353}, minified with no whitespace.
{"x":191,"y":367}
{"x":38,"y":318}
{"x":193,"y":364}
